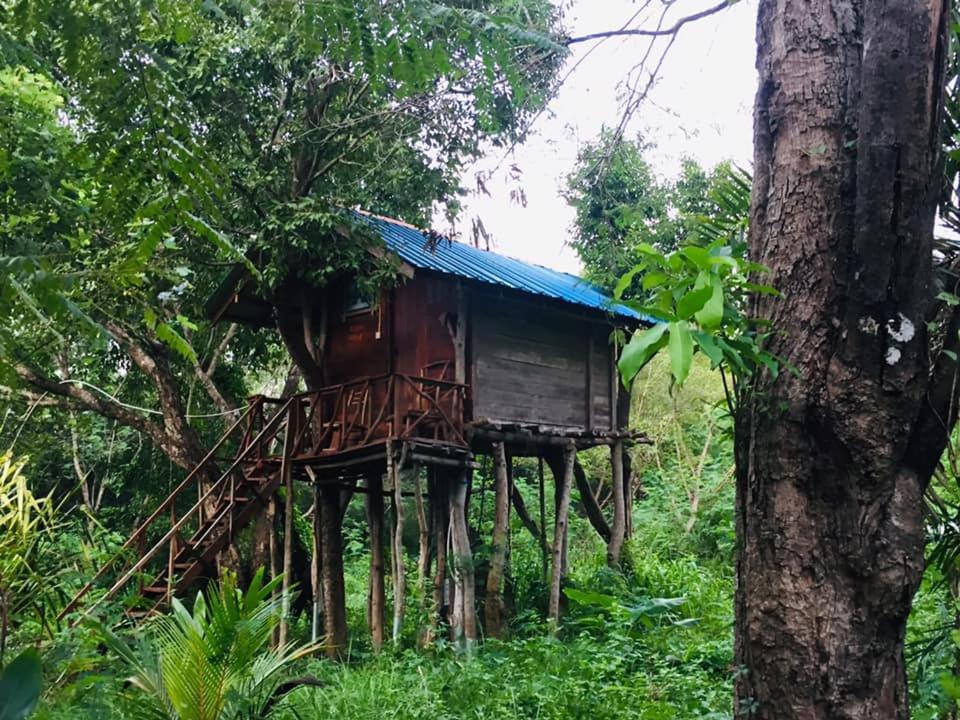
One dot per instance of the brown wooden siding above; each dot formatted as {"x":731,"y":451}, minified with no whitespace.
{"x":422,"y":339}
{"x":354,"y":349}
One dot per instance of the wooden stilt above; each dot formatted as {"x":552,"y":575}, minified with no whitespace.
{"x":564,"y":483}
{"x":288,"y":509}
{"x":463,"y":620}
{"x":399,"y":564}
{"x":423,"y":553}
{"x":439,"y":503}
{"x":376,"y":597}
{"x":619,"y":528}
{"x":628,"y":491}
{"x":543,"y":518}
{"x":315,"y":584}
{"x":494,"y":608}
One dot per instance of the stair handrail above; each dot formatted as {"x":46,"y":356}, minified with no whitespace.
{"x":164,"y":506}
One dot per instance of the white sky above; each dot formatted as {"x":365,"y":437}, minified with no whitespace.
{"x":701,"y":107}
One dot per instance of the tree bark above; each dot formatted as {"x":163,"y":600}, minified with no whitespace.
{"x":619,"y":528}
{"x":831,"y":467}
{"x":376,"y":600}
{"x":334,"y":596}
{"x":493,"y":606}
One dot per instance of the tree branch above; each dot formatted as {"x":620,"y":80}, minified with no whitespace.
{"x":645,"y":32}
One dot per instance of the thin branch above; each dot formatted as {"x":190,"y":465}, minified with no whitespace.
{"x":647,"y":32}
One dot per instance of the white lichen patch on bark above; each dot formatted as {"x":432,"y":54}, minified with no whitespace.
{"x":901,"y":328}
{"x":893,"y":355}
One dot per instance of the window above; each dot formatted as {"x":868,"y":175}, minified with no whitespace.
{"x":356,"y":300}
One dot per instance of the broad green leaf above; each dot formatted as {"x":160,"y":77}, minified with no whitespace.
{"x":637,"y":353}
{"x":710,"y":314}
{"x":693,"y":302}
{"x":709,"y":347}
{"x":697,"y":255}
{"x":20,"y":686}
{"x":681,"y":350}
{"x":587,"y":597}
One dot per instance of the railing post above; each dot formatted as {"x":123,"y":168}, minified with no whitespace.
{"x":171,"y":552}
{"x":393,"y":392}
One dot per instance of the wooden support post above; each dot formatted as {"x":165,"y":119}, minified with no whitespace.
{"x":564,"y":483}
{"x":376,"y":596}
{"x":463,"y":615}
{"x":399,"y":564}
{"x":286,"y":469}
{"x":440,"y":505}
{"x":423,"y":552}
{"x":315,"y":584}
{"x":334,"y":598}
{"x":619,"y":528}
{"x":543,"y":518}
{"x":494,"y":608}
{"x":628,"y":490}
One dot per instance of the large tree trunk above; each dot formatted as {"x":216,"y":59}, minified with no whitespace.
{"x":334,"y":594}
{"x":832,"y":460}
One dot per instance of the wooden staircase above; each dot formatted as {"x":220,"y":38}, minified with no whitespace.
{"x":220,"y":504}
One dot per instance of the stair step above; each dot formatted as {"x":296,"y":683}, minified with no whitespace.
{"x":155,"y":590}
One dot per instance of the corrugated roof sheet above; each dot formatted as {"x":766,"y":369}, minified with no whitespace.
{"x":454,"y":258}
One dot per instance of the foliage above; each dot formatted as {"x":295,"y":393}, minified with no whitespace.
{"x":26,"y":526}
{"x":20,"y":686}
{"x":620,"y":203}
{"x":211,"y":663}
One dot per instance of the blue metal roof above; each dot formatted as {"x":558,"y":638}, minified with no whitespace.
{"x":466,"y":261}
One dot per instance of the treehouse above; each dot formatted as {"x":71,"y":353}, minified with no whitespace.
{"x":468,"y":353}
{"x":468,"y":347}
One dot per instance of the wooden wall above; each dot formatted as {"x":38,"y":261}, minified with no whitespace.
{"x":533,"y":364}
{"x":358,"y":344}
{"x":422,"y":308}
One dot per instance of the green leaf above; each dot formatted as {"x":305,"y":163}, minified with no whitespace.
{"x":20,"y":686}
{"x":693,"y":302}
{"x":586,"y":597}
{"x":949,"y":298}
{"x":175,"y":340}
{"x":624,"y":282}
{"x":681,"y":350}
{"x":637,"y":353}
{"x":710,"y":314}
{"x":709,"y":347}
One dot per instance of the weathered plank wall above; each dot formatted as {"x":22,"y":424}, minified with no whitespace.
{"x":422,"y":308}
{"x":530,"y":365}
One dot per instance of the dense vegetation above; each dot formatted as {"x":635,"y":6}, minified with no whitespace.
{"x":144,"y":147}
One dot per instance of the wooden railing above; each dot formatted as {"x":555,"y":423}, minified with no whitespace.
{"x":184,"y":524}
{"x":367,"y":412}
{"x":182,"y":537}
